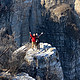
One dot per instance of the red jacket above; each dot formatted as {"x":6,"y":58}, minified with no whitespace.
{"x":33,"y":38}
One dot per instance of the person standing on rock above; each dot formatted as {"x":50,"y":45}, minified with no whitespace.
{"x":38,"y":40}
{"x":33,"y":37}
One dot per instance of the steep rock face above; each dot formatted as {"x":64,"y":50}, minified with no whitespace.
{"x":20,"y":17}
{"x":77,"y":6}
{"x":21,"y":20}
{"x":23,"y":16}
{"x":14,"y":15}
{"x":5,"y":14}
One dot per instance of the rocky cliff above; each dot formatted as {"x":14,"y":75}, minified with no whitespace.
{"x":22,"y":16}
{"x":42,"y":64}
{"x":58,"y":19}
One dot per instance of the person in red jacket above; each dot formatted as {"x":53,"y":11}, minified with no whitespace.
{"x":33,"y":40}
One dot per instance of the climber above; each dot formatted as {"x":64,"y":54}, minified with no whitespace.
{"x":33,"y":40}
{"x":38,"y":40}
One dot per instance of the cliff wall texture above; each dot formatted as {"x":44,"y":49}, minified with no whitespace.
{"x":58,"y":19}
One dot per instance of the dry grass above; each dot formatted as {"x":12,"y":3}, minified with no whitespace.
{"x":7,"y":46}
{"x":61,"y":8}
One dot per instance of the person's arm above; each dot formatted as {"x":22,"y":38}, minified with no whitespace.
{"x":41,"y":34}
{"x":30,"y":34}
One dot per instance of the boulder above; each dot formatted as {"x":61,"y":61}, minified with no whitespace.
{"x":77,"y":6}
{"x":22,"y":76}
{"x":43,"y":64}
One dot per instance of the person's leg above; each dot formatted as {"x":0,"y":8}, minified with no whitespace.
{"x":35,"y":45}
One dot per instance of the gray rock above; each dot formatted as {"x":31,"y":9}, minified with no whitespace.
{"x":22,"y":76}
{"x":43,"y":64}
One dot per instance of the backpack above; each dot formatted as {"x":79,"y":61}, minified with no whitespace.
{"x":37,"y":41}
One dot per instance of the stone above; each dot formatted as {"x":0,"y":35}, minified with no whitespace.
{"x":77,"y":6}
{"x":43,"y":63}
{"x":22,"y":76}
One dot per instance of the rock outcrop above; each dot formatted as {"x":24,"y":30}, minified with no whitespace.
{"x":41,"y":64}
{"x":22,"y":76}
{"x":77,"y":6}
